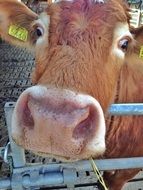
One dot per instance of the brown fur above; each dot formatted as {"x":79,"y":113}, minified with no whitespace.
{"x":77,"y":57}
{"x":72,"y":25}
{"x":124,"y":133}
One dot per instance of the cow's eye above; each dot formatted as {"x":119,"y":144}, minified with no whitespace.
{"x":123,"y":44}
{"x":39,"y":31}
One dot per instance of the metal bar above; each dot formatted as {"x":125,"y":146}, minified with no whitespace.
{"x":5,"y":183}
{"x":85,"y":165}
{"x":43,"y":180}
{"x":126,"y":109}
{"x":18,"y":153}
{"x":52,"y":174}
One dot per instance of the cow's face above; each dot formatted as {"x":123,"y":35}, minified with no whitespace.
{"x":78,"y":59}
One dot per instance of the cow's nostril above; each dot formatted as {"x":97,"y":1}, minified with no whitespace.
{"x":27,"y":119}
{"x":86,"y":127}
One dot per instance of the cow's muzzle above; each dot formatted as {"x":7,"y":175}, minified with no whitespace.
{"x":59,"y":123}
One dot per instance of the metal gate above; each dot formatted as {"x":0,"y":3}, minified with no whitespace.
{"x":32,"y":177}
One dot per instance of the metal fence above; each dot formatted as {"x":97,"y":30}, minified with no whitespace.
{"x":32,"y":177}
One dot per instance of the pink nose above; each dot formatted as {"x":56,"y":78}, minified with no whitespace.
{"x":57,"y":122}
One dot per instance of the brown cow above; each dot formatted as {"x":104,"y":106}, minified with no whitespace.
{"x":79,"y":55}
{"x":124,"y":134}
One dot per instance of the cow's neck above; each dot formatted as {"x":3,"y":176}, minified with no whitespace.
{"x":121,"y":133}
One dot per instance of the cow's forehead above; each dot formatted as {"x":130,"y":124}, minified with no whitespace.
{"x":90,"y":10}
{"x":79,"y":16}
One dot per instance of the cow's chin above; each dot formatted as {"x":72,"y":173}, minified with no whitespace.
{"x":59,"y":123}
{"x":98,"y":153}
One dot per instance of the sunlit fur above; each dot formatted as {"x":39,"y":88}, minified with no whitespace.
{"x":124,"y":133}
{"x":80,"y":39}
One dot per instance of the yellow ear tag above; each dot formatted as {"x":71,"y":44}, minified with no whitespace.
{"x":141,"y":52}
{"x":18,"y":32}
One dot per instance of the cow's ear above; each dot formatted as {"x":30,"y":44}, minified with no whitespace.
{"x":136,"y":31}
{"x":137,"y":34}
{"x":18,"y":24}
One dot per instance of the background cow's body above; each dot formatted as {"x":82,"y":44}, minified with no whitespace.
{"x":79,"y":59}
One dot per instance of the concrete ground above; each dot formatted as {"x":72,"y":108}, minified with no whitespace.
{"x":15,"y":68}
